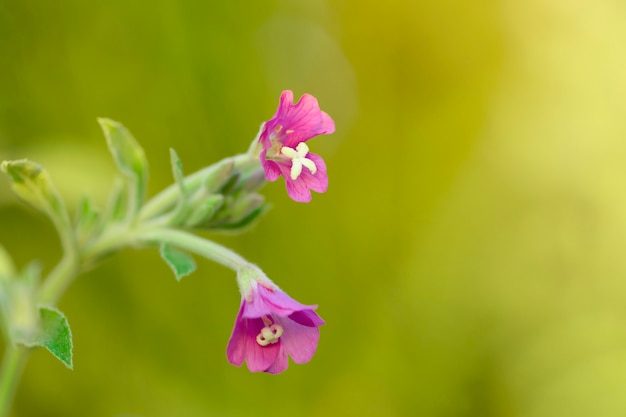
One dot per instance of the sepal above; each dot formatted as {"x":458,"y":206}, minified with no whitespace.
{"x":219,"y":175}
{"x":238,"y":214}
{"x":204,"y":211}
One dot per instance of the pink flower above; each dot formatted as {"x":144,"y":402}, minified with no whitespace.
{"x":271,"y":326}
{"x":285,"y":152}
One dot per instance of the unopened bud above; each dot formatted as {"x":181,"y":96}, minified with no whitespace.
{"x":205,"y":210}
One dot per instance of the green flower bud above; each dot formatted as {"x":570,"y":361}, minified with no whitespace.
{"x":32,"y":183}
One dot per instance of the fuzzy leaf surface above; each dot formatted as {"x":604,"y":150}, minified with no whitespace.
{"x":180,"y":263}
{"x":53,"y":333}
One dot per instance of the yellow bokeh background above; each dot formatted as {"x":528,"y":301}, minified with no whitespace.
{"x":468,"y":257}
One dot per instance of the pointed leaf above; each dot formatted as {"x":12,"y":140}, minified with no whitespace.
{"x":53,"y":333}
{"x":183,"y":206}
{"x":181,"y":263}
{"x":57,"y":335}
{"x":177,"y":170}
{"x":128,"y":156}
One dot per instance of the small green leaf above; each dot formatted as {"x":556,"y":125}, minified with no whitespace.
{"x":183,"y":207}
{"x":177,"y":170}
{"x":57,"y":336}
{"x":129,"y":157}
{"x":54,"y":334}
{"x":32,"y":183}
{"x":181,"y":263}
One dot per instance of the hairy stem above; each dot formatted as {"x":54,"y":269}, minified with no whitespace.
{"x":10,"y":373}
{"x":195,"y":244}
{"x":58,"y":280}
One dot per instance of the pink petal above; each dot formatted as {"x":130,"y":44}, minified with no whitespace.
{"x":242,"y":345}
{"x":235,"y":351}
{"x":317,"y":182}
{"x":295,"y":123}
{"x":299,"y":341}
{"x":306,"y":120}
{"x":327,"y":126}
{"x":281,"y":363}
{"x":307,"y":318}
{"x":264,"y":137}
{"x":266,"y":302}
{"x":297,"y":189}
{"x":272,"y":171}
{"x":285,"y":102}
{"x":300,"y":189}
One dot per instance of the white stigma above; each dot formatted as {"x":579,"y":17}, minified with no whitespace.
{"x":298,"y":159}
{"x":269,"y":335}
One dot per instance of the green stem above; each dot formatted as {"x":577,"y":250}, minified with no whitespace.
{"x":12,"y":367}
{"x":58,"y":280}
{"x":195,"y":244}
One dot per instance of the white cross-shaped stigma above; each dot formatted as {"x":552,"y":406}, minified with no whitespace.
{"x":298,"y":159}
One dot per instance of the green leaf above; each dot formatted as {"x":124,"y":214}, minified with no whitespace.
{"x":129,"y":157}
{"x":181,"y":263}
{"x":32,"y":183}
{"x":177,"y":170}
{"x":57,"y":336}
{"x":183,"y":207}
{"x":53,"y":334}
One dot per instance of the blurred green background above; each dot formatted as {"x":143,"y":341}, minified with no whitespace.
{"x":468,"y":257}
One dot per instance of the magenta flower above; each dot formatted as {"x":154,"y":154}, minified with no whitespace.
{"x":285,"y":152}
{"x":271,"y":326}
